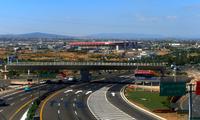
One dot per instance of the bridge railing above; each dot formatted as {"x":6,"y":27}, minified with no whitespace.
{"x":85,"y":64}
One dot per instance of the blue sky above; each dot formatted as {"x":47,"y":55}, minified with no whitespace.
{"x":83,"y":17}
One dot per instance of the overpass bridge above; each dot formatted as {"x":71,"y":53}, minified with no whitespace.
{"x":84,"y":67}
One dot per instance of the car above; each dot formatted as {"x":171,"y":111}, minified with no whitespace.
{"x":60,"y":81}
{"x":2,"y":102}
{"x":48,"y":82}
{"x":42,"y":82}
{"x":26,"y":89}
{"x":72,"y":79}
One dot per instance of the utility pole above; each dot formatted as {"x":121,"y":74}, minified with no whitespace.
{"x":38,"y":85}
{"x":190,"y":101}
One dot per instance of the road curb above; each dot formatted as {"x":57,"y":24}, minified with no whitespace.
{"x":137,"y":107}
{"x":90,"y":108}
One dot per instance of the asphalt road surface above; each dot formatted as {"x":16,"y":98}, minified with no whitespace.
{"x":71,"y":102}
{"x":18,"y":103}
{"x":114,"y":97}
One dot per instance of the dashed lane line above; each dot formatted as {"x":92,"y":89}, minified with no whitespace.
{"x":18,"y":110}
{"x":45,"y":102}
{"x":10,"y":98}
{"x":23,"y":98}
{"x":75,"y":112}
{"x":12,"y":104}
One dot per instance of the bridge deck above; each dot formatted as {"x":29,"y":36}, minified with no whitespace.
{"x":85,"y":65}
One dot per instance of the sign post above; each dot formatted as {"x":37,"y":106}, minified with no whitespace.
{"x":172,"y":88}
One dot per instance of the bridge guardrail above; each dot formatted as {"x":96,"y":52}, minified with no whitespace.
{"x":85,"y":63}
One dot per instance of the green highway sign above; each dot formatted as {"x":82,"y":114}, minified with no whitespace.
{"x":172,"y":89}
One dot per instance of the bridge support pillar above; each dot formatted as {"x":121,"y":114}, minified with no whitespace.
{"x":85,"y":75}
{"x":5,"y":73}
{"x":5,"y":76}
{"x":28,"y":72}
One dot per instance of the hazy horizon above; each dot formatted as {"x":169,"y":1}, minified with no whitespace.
{"x":82,"y":18}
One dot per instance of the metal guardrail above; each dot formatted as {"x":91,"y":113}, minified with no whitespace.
{"x":84,"y":64}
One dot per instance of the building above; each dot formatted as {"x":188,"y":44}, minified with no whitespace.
{"x":116,"y":45}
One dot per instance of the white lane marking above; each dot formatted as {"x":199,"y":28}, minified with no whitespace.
{"x":38,"y":86}
{"x":23,"y":98}
{"x":61,"y":99}
{"x":21,"y":94}
{"x":113,"y":94}
{"x":20,"y":91}
{"x":12,"y":104}
{"x":79,"y":91}
{"x":1,"y":110}
{"x":74,"y":99}
{"x":68,"y":91}
{"x":75,"y":112}
{"x":73,"y":105}
{"x":11,"y":94}
{"x":10,"y":98}
{"x":24,"y":115}
{"x":88,"y":92}
{"x":58,"y":104}
{"x":58,"y":111}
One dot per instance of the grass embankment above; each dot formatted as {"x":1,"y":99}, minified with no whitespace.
{"x":150,"y":100}
{"x":153,"y":102}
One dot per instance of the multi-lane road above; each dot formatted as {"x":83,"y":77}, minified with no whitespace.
{"x":71,"y":103}
{"x":19,"y":101}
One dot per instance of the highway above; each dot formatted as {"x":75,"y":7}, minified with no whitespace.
{"x":114,"y":97}
{"x":71,"y":103}
{"x":18,"y":103}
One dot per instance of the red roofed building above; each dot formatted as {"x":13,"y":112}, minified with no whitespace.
{"x":147,"y":73}
{"x":110,"y":45}
{"x":91,"y":43}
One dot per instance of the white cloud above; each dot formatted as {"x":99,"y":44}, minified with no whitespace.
{"x":143,"y":18}
{"x":172,"y":18}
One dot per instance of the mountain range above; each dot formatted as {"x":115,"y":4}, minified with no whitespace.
{"x":34,"y":35}
{"x":93,"y":36}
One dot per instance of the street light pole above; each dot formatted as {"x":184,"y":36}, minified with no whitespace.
{"x":190,"y":102}
{"x":38,"y":85}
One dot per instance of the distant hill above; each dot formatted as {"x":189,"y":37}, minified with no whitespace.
{"x":120,"y":36}
{"x":35,"y":35}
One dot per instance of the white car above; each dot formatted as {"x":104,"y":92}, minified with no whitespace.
{"x":70,"y":78}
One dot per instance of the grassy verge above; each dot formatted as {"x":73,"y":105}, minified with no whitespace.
{"x":32,"y":110}
{"x":150,"y":100}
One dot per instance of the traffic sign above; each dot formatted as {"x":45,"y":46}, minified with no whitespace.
{"x":198,"y":88}
{"x":172,"y":88}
